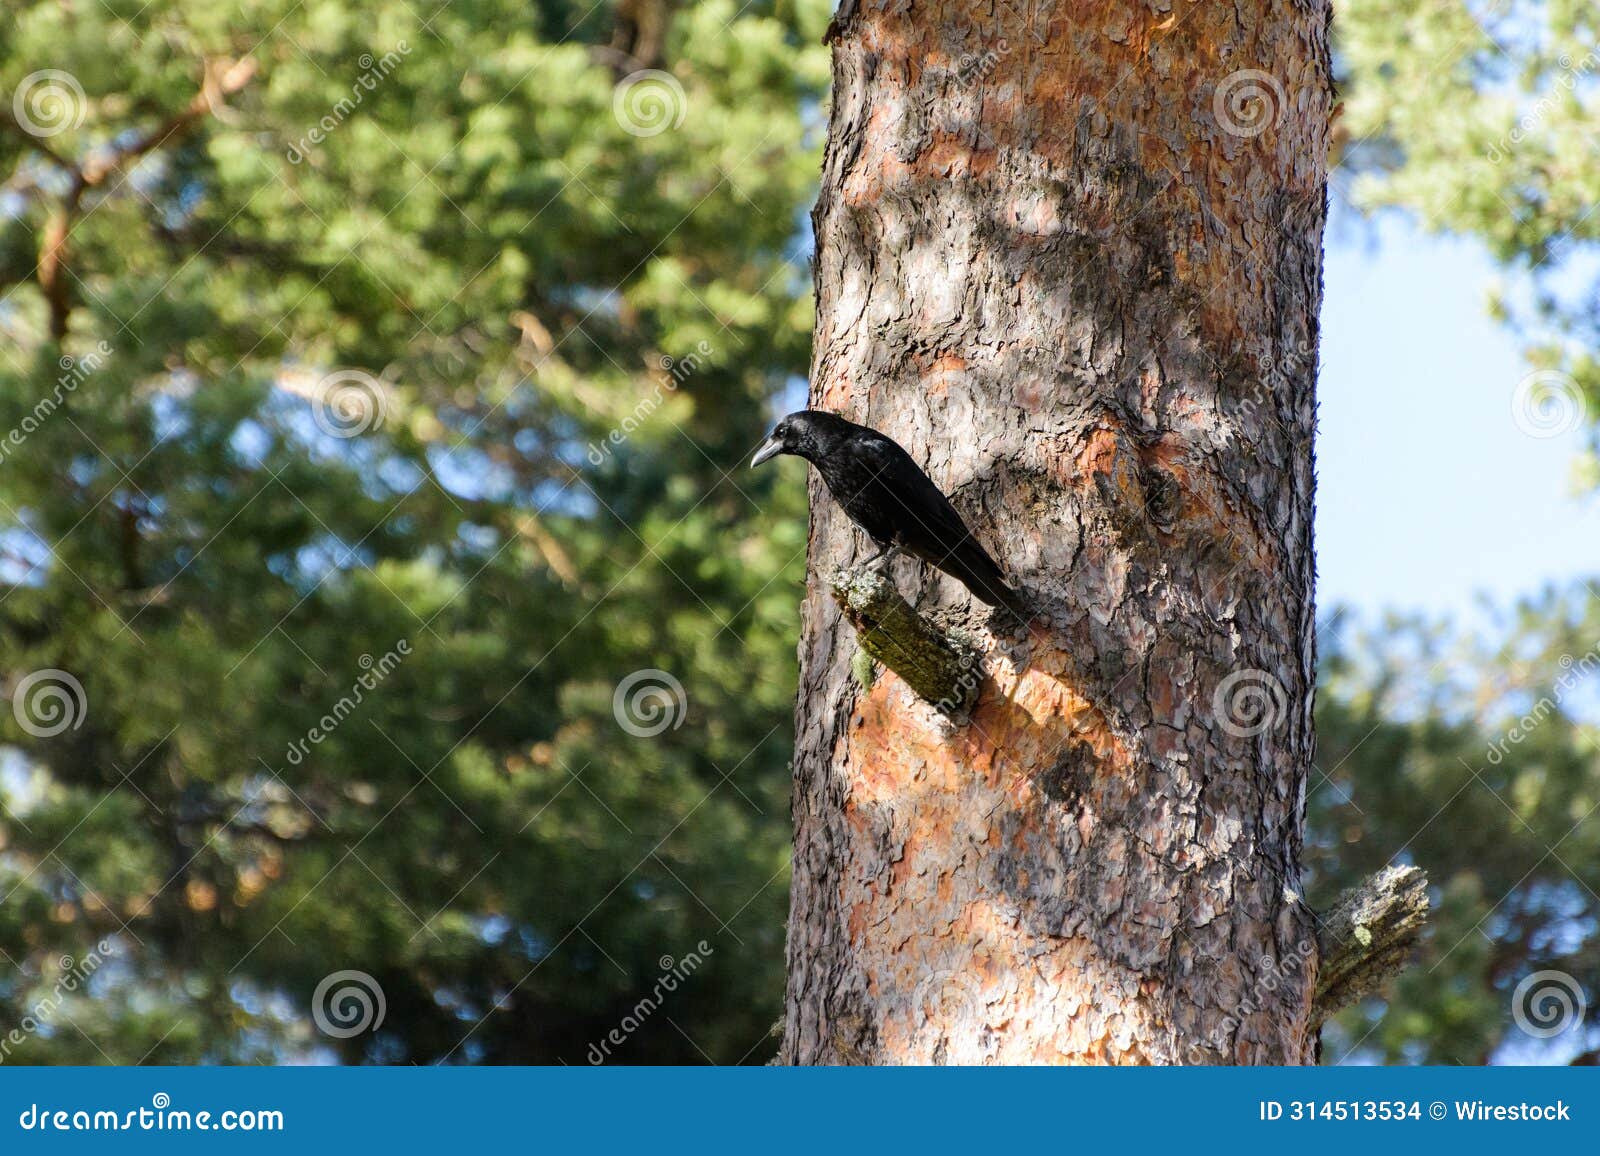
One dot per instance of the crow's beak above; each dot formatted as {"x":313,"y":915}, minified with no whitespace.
{"x":770,"y":448}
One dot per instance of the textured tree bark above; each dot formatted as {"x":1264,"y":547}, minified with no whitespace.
{"x":1069,"y":255}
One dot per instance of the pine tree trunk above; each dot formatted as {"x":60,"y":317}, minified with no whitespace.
{"x":1070,"y":257}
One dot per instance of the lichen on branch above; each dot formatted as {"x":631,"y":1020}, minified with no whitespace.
{"x":1368,"y":937}
{"x":942,"y":669}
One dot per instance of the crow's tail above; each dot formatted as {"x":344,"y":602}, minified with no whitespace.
{"x":971,"y":565}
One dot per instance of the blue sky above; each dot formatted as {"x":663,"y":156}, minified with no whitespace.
{"x":1428,"y":493}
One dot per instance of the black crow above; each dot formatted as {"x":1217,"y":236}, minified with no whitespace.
{"x":888,"y":496}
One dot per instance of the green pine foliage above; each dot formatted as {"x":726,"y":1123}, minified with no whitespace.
{"x":417,"y":379}
{"x":1478,"y":119}
{"x":1478,"y":757}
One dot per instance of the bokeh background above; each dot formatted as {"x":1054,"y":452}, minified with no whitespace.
{"x":400,"y":661}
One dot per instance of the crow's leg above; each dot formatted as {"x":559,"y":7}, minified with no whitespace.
{"x":881,"y":560}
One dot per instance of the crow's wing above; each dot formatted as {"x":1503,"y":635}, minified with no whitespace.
{"x":923,"y":519}
{"x":929,"y":522}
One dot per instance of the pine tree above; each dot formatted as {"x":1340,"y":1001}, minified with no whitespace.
{"x":1075,"y":268}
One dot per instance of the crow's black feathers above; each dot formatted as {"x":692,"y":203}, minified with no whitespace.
{"x":887,"y":495}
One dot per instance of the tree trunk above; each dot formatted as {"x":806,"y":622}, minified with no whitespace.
{"x":1070,"y":257}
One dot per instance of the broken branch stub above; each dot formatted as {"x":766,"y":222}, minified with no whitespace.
{"x":1368,"y":937}
{"x":941,"y":669}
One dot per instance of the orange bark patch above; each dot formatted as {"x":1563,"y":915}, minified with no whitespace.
{"x":899,"y":755}
{"x":1107,"y":456}
{"x":939,"y":376}
{"x":836,"y":395}
{"x":949,"y":156}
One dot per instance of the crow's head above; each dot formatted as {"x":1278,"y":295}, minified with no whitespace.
{"x":807,"y":433}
